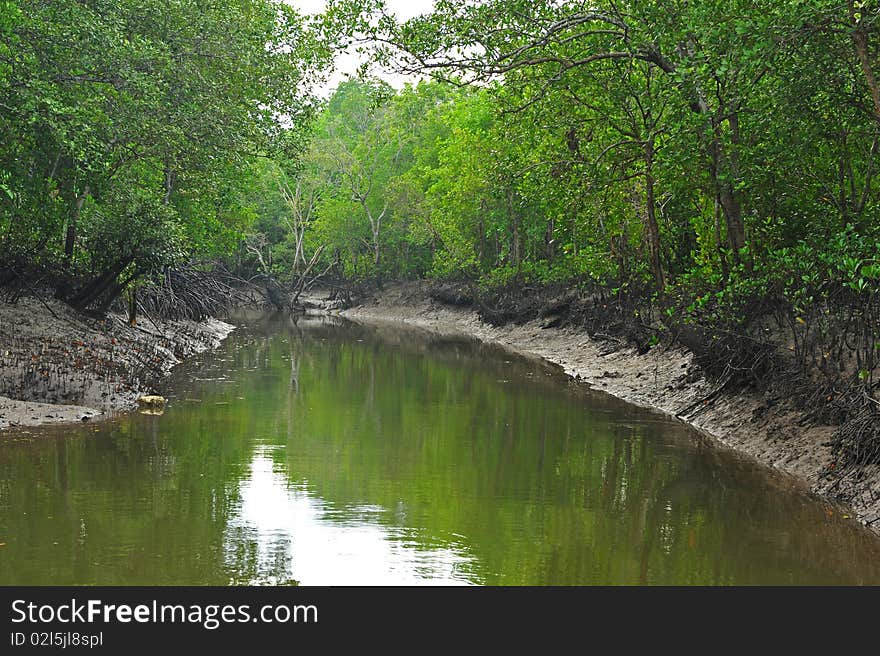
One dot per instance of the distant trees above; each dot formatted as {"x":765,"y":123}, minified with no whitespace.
{"x":644,"y":142}
{"x":709,"y":164}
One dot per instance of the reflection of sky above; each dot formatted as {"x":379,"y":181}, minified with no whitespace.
{"x":297,"y":536}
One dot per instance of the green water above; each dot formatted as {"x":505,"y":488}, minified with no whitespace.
{"x":323,"y":452}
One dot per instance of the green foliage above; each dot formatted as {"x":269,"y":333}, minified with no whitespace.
{"x":721,"y":150}
{"x":715,"y":151}
{"x":129,"y":128}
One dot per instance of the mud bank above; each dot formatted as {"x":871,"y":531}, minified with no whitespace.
{"x":664,"y":379}
{"x":59,"y":366}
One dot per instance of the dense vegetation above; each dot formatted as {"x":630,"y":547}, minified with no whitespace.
{"x":695,"y":170}
{"x":128,"y":129}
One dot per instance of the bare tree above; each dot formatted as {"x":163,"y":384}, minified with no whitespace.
{"x":257,"y":244}
{"x":300,"y":200}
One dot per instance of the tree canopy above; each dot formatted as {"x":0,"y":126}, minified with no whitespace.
{"x":703,"y":167}
{"x":129,"y":128}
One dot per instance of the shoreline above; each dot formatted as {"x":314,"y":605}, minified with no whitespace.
{"x":58,"y":366}
{"x":663,"y":379}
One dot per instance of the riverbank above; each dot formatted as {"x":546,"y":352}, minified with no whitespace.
{"x":57,"y":365}
{"x":664,"y":379}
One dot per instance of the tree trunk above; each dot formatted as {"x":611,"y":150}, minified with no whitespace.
{"x":70,"y":238}
{"x":653,"y":229}
{"x":723,"y":182}
{"x":377,"y":255}
{"x":719,"y":243}
{"x":482,"y":236}
{"x":375,"y":229}
{"x":736,"y":235}
{"x":132,"y":307}
{"x":622,"y":264}
{"x":63,"y":290}
{"x":723,"y":169}
{"x":91,"y":292}
{"x":169,"y":185}
{"x":860,"y":41}
{"x":515,"y":247}
{"x":735,"y":223}
{"x":115,"y":292}
{"x":377,"y":250}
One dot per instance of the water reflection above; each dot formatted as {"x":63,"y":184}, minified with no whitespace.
{"x":301,"y":538}
{"x":323,"y":453}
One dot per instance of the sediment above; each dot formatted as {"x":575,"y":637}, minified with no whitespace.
{"x":57,"y":365}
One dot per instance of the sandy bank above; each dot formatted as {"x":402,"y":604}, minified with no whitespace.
{"x":663,"y":379}
{"x":57,"y":365}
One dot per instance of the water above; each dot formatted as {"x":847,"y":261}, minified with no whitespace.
{"x":323,"y":452}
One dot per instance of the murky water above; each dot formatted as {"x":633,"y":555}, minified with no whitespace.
{"x":324,"y":452}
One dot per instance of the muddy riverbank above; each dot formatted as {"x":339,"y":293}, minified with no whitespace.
{"x":59,"y":366}
{"x":664,"y":379}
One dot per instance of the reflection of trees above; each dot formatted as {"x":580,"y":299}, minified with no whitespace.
{"x":293,"y":386}
{"x":547,"y":483}
{"x":149,"y":513}
{"x":245,"y":564}
{"x":544,"y":483}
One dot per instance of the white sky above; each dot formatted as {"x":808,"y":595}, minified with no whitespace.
{"x":347,"y":63}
